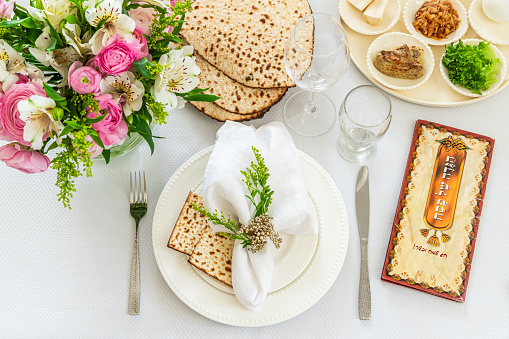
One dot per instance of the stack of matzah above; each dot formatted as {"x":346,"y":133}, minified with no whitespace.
{"x":240,"y":50}
{"x":207,"y":251}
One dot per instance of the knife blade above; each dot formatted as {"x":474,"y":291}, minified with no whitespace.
{"x":362,"y":209}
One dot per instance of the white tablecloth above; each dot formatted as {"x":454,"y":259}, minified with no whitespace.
{"x":66,"y":273}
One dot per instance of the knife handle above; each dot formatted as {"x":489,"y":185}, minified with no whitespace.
{"x":364,"y":289}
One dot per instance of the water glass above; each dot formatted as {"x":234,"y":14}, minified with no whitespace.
{"x":364,"y":117}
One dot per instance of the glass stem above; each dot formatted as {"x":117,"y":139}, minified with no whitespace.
{"x":310,"y":106}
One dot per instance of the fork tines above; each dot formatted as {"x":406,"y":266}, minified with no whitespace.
{"x":138,"y":195}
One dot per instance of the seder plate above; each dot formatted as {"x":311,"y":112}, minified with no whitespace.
{"x":435,"y":92}
{"x":298,"y":286}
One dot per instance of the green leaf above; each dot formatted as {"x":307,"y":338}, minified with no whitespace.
{"x":74,"y":125}
{"x":95,"y":136}
{"x":141,"y":67}
{"x":177,"y":29}
{"x":53,"y":45}
{"x":106,"y":155}
{"x":91,"y":121}
{"x":52,"y":93}
{"x":174,"y":39}
{"x":33,"y":34}
{"x":132,"y":6}
{"x":52,"y":146}
{"x":66,"y":130}
{"x":26,"y":22}
{"x":72,"y":19}
{"x":143,"y":128}
{"x":201,"y":97}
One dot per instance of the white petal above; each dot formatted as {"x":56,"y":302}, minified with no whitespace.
{"x":40,"y":102}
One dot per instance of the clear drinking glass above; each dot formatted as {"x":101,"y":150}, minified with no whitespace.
{"x":316,"y":56}
{"x":364,"y":117}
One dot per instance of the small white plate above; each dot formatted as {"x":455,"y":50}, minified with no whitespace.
{"x":462,"y":90}
{"x":489,"y":30}
{"x":353,"y":17}
{"x":393,"y":40}
{"x":412,"y":6}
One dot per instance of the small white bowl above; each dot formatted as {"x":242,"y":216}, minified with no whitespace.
{"x":353,"y":17}
{"x":493,"y":87}
{"x":393,"y":40}
{"x":489,"y":30}
{"x":412,"y":6}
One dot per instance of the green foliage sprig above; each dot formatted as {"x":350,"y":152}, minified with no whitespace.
{"x":255,"y":178}
{"x":226,"y":222}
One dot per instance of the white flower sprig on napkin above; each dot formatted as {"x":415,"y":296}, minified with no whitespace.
{"x":254,"y":234}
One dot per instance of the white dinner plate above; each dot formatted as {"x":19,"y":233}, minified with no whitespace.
{"x":286,"y":302}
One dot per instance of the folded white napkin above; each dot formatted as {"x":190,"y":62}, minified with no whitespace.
{"x":224,"y":190}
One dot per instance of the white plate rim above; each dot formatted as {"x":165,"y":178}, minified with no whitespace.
{"x":281,"y":305}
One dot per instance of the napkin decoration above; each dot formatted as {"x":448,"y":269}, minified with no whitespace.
{"x":254,"y":234}
{"x":226,"y":189}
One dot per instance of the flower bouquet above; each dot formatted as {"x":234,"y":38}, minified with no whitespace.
{"x":80,"y":76}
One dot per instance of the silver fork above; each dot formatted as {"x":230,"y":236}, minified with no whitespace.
{"x":138,"y":208}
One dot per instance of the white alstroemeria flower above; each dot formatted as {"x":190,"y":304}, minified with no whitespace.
{"x":54,"y":10}
{"x":37,"y":113}
{"x":126,"y":87}
{"x":179,"y":75}
{"x":6,"y":78}
{"x":116,"y":22}
{"x":12,"y":64}
{"x":59,"y":59}
{"x":72,"y":33}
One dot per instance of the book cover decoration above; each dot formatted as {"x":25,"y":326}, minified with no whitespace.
{"x":437,"y":218}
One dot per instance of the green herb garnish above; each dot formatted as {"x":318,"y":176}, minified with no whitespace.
{"x":474,"y":67}
{"x":260,"y":227}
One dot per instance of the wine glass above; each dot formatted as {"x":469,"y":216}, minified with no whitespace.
{"x":364,"y":117}
{"x":316,"y":56}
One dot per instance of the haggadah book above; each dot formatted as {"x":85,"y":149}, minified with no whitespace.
{"x":437,"y":218}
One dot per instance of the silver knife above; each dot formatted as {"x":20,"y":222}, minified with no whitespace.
{"x":362,"y":208}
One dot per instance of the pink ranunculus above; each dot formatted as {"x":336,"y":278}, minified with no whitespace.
{"x":6,"y":9}
{"x":22,"y":79}
{"x":116,"y":57}
{"x":112,"y":129}
{"x":143,"y":18}
{"x":26,"y":160}
{"x":10,"y":122}
{"x":95,"y":149}
{"x":140,"y":43}
{"x":84,"y":79}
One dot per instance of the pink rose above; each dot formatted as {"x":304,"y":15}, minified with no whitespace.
{"x":10,"y":122}
{"x":84,"y":79}
{"x":143,"y":18}
{"x":112,"y":129}
{"x":95,"y":149}
{"x":6,"y":9}
{"x":140,"y":44}
{"x":116,"y":57}
{"x":16,"y":156}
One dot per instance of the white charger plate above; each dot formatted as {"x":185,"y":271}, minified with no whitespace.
{"x":285,"y":303}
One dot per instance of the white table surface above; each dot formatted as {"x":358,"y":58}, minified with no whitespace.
{"x":66,"y":273}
